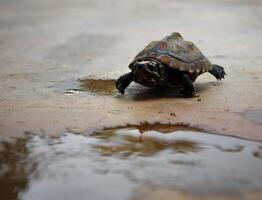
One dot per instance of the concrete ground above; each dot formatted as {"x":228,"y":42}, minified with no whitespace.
{"x":47,"y":45}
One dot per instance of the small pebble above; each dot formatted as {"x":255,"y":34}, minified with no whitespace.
{"x":173,"y":114}
{"x":258,"y":154}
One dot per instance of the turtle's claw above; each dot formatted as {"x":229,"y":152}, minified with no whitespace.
{"x":195,"y":95}
{"x":123,"y":82}
{"x":218,"y":72}
{"x":187,"y":93}
{"x":120,"y":87}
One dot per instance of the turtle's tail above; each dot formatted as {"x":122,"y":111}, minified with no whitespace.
{"x":218,"y":72}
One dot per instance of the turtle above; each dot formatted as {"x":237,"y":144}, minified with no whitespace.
{"x":169,"y":62}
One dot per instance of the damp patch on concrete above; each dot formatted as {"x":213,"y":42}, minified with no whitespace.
{"x":106,"y":86}
{"x":99,"y":86}
{"x":89,"y":85}
{"x":115,"y":162}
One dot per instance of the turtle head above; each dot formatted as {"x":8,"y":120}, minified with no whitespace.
{"x":148,"y":71}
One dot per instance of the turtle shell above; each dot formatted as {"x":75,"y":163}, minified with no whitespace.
{"x":173,"y":51}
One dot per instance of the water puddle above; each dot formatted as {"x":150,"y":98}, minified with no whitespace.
{"x":94,"y":86}
{"x":115,"y":163}
{"x":107,"y":87}
{"x":86,"y":86}
{"x":100,"y":86}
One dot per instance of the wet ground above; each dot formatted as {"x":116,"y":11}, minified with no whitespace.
{"x":58,"y":63}
{"x":47,"y":47}
{"x":132,"y":163}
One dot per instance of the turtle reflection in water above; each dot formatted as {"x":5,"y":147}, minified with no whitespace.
{"x":169,"y":62}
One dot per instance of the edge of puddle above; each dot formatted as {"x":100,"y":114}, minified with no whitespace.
{"x":171,"y":127}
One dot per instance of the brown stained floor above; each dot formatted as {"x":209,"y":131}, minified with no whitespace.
{"x":58,"y":63}
{"x":45,"y":45}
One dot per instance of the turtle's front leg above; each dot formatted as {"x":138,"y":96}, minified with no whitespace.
{"x":218,"y":72}
{"x":188,"y":87}
{"x":124,"y":81}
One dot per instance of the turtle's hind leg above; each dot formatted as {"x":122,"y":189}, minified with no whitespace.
{"x":123,"y":82}
{"x":218,"y":72}
{"x":188,"y":87}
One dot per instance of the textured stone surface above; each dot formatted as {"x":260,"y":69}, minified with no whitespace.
{"x":46,"y":44}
